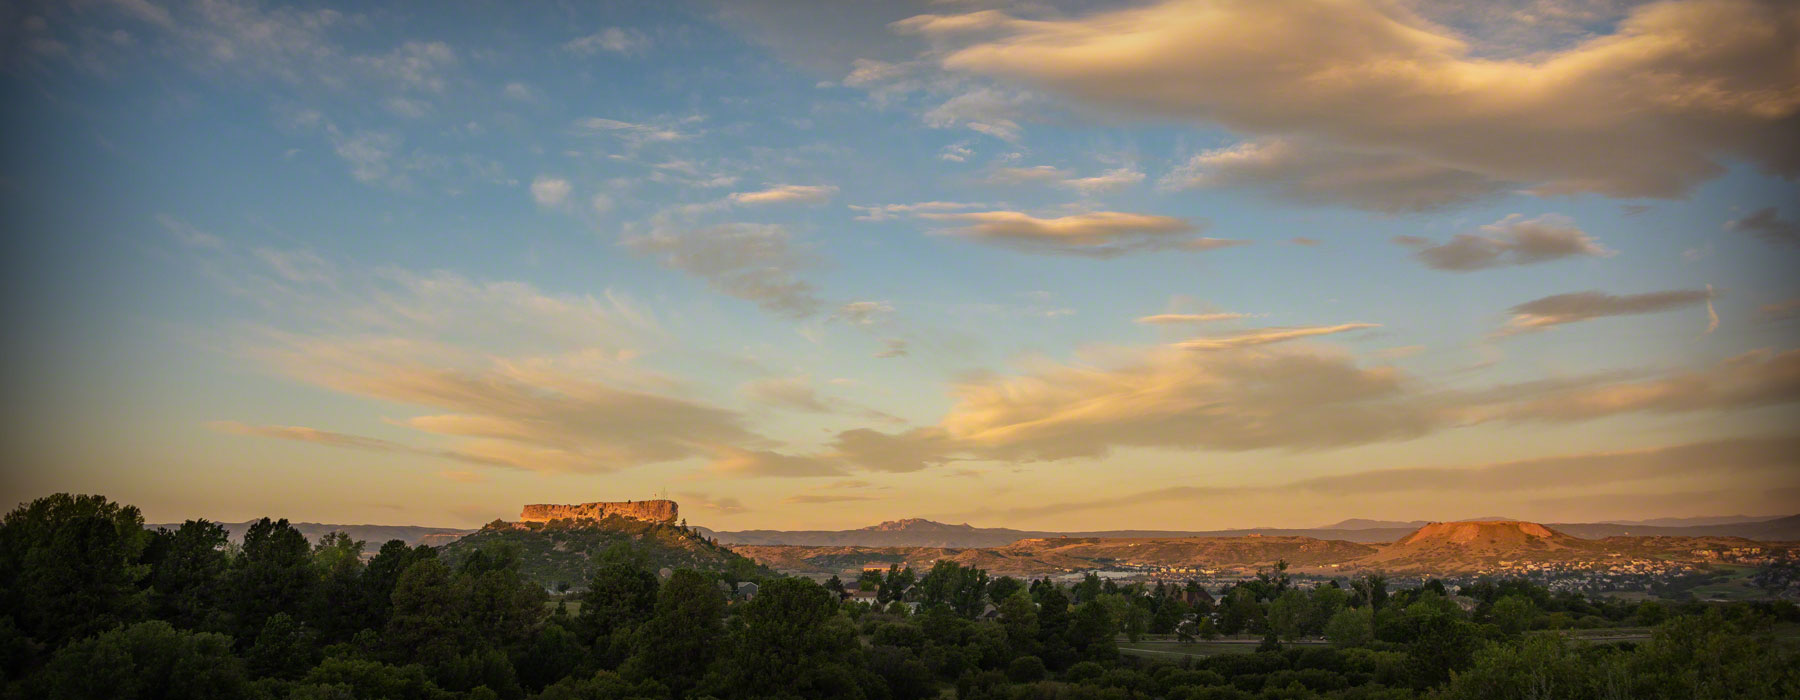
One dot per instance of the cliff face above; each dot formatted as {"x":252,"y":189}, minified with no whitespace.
{"x":653,"y":511}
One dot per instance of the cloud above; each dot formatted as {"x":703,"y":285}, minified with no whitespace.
{"x":1309,"y":173}
{"x":1204,"y":243}
{"x":1267,"y":336}
{"x":1513,"y":240}
{"x":1753,"y":464}
{"x":754,"y":262}
{"x":1778,"y":310}
{"x":188,"y":234}
{"x":736,"y":462}
{"x":506,"y":374}
{"x":1169,"y":397}
{"x":610,"y":39}
{"x":1767,"y":225}
{"x":892,"y":347}
{"x":1019,"y":176}
{"x":1170,"y":319}
{"x":724,"y":505}
{"x":863,"y":313}
{"x":549,"y":191}
{"x":786,"y":194}
{"x":463,"y":477}
{"x":787,"y":392}
{"x":1648,"y":110}
{"x":1758,"y":378}
{"x":890,"y":211}
{"x":985,"y":110}
{"x":635,"y":134}
{"x":1540,"y":314}
{"x":908,"y":451}
{"x":1100,"y":234}
{"x":815,"y":498}
{"x":1114,"y":179}
{"x":345,"y":440}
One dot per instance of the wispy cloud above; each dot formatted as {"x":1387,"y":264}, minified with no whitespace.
{"x":1264,"y":70}
{"x":611,"y":39}
{"x":1561,"y":309}
{"x":1099,"y":234}
{"x":754,"y":262}
{"x":786,"y":194}
{"x":1514,"y":240}
{"x":1768,"y":225}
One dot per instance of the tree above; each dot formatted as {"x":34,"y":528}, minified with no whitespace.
{"x":69,"y":566}
{"x":785,"y":644}
{"x":1091,"y":633}
{"x":338,"y":608}
{"x":187,"y":575}
{"x":899,"y":580}
{"x":1240,"y":612}
{"x":1351,"y":627}
{"x":1289,"y":614}
{"x":425,"y":624}
{"x":1370,"y":590}
{"x":1513,"y":614}
{"x":284,"y":649}
{"x":870,"y":580}
{"x":1003,"y":588}
{"x":145,"y":660}
{"x":1019,"y":618}
{"x":621,"y":595}
{"x":679,"y":641}
{"x":273,"y":574}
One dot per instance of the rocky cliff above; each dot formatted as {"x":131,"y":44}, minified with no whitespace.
{"x":658,"y":511}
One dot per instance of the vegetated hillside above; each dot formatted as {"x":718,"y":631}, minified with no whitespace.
{"x":1201,"y":552}
{"x":373,"y":535}
{"x":567,"y":551}
{"x":1044,"y":556}
{"x":918,"y":532}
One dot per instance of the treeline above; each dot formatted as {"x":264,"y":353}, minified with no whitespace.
{"x":92,"y":605}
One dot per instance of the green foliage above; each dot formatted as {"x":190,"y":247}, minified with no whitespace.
{"x":312,"y":622}
{"x":274,"y":573}
{"x":679,"y":641}
{"x":69,"y":566}
{"x":1351,"y":627}
{"x":569,"y":551}
{"x":146,"y":661}
{"x":187,"y":574}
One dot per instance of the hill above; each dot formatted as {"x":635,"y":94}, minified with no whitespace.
{"x":1468,"y":546}
{"x":566,"y":551}
{"x":919,"y":532}
{"x":373,"y":535}
{"x":1044,"y":556}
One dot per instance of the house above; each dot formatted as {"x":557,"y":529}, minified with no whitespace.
{"x":1195,"y":596}
{"x":746,"y":590}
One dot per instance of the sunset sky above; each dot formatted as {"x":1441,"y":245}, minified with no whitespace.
{"x":818,"y":264}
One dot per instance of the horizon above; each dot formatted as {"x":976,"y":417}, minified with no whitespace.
{"x":149,"y":521}
{"x":1174,"y":265}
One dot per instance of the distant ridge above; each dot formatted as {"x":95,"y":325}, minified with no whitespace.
{"x":372,"y":535}
{"x":919,"y":532}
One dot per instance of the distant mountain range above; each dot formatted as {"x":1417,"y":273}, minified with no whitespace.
{"x":916,"y":532}
{"x":1464,"y":547}
{"x":373,"y":535}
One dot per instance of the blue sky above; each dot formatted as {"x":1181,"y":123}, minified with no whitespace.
{"x":821,"y":265}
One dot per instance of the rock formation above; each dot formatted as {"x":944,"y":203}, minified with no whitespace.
{"x":658,"y":511}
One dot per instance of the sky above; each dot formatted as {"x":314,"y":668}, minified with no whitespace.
{"x":1171,"y":264}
